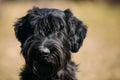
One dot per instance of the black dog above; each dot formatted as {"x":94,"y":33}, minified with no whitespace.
{"x":48,"y":36}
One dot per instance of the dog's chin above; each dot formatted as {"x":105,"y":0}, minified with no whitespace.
{"x":44,"y":68}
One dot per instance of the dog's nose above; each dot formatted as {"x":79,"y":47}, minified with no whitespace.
{"x":44,"y":51}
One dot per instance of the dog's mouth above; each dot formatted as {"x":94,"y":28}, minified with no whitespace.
{"x":43,"y":68}
{"x":46,"y":65}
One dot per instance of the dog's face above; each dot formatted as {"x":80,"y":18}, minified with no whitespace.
{"x":46,"y":55}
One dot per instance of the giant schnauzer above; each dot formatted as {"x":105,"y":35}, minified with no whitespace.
{"x":48,"y":37}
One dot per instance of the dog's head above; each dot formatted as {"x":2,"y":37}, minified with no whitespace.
{"x":47,"y":21}
{"x":47,"y":36}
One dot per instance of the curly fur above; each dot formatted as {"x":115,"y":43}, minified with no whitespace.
{"x":48,"y":36}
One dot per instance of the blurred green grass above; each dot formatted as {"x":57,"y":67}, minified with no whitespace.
{"x":99,"y":57}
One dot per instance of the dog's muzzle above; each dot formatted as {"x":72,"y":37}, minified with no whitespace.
{"x":41,"y":51}
{"x":47,"y":56}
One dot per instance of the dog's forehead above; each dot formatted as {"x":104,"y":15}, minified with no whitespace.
{"x":51,"y":10}
{"x":46,"y":11}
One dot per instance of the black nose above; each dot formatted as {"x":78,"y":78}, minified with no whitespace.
{"x":44,"y":51}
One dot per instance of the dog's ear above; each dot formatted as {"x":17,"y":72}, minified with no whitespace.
{"x":68,"y":13}
{"x":23,"y":29}
{"x":77,"y":31}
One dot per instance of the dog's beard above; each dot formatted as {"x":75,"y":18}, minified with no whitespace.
{"x":47,"y":65}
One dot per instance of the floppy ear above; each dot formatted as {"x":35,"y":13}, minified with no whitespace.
{"x":77,"y":31}
{"x":23,"y":29}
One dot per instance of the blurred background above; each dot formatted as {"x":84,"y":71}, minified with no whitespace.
{"x":98,"y":58}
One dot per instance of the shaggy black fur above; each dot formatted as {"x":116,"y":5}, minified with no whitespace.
{"x":48,"y":36}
